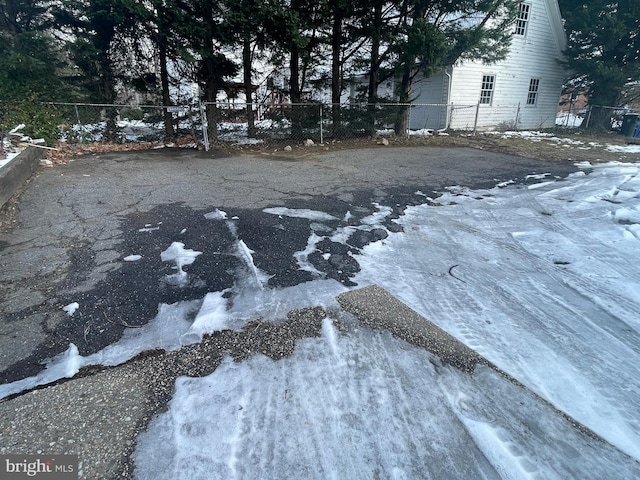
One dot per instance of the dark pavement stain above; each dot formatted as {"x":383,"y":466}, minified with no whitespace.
{"x":132,"y":290}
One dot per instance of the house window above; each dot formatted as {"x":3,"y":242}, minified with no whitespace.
{"x":532,"y":96}
{"x":523,"y":19}
{"x":486,"y":92}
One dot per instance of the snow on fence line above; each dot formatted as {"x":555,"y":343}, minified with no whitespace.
{"x":242,"y":123}
{"x":239,"y":122}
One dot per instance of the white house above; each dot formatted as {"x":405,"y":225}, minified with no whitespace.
{"x":521,"y":91}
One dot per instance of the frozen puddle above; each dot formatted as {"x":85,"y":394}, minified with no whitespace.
{"x":362,"y":404}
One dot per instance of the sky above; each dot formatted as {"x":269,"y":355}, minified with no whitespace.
{"x":542,"y":279}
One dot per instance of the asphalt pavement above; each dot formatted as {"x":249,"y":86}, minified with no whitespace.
{"x":79,"y":220}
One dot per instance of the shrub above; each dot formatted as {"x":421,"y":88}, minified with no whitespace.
{"x":132,"y":114}
{"x":40,"y":120}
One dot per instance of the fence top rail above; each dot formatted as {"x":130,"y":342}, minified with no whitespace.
{"x":240,"y":105}
{"x":350,"y":104}
{"x":310,"y":104}
{"x":625,"y":109}
{"x":105,"y":105}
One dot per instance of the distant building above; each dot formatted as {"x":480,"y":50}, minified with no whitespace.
{"x":521,"y":91}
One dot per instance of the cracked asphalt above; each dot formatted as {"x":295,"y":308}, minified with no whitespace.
{"x":78,"y":221}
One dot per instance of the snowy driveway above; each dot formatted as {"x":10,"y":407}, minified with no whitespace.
{"x":83,"y":224}
{"x":539,"y":276}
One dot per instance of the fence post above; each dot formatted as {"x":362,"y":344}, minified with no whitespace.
{"x":475,"y":122}
{"x":588,"y":117}
{"x":321,"y":122}
{"x":205,"y":126}
{"x":75,"y":105}
{"x":517,"y":116}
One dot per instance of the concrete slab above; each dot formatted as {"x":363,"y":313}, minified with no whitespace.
{"x":377,"y":308}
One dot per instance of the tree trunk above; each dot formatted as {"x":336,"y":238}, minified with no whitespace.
{"x":210,"y":93}
{"x":294,"y":91}
{"x":248,"y":86}
{"x":102,"y":42}
{"x":374,"y":69}
{"x":402,"y":122}
{"x":336,"y":77}
{"x":169,"y":133}
{"x":108,"y":95}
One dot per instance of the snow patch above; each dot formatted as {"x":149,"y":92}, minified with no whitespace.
{"x":71,"y":308}
{"x":216,"y":215}
{"x":301,"y":213}
{"x":181,"y":257}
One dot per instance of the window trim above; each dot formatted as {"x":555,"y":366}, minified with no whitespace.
{"x":522,"y":20}
{"x":487,"y":87}
{"x":533,"y":92}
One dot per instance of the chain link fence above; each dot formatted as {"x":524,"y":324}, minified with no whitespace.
{"x":597,"y":117}
{"x":609,"y":118}
{"x":240,"y":123}
{"x":92,"y":122}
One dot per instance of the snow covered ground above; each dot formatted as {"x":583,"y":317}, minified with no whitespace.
{"x":542,"y":279}
{"x":534,"y":136}
{"x":10,"y":157}
{"x":363,"y":405}
{"x":11,"y":150}
{"x":546,"y":286}
{"x":549,"y":286}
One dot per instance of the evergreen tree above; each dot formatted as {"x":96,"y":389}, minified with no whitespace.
{"x":101,"y":30}
{"x":254,"y":27}
{"x":301,"y":40}
{"x":30,"y":64}
{"x":162,"y":27}
{"x":603,"y":49}
{"x":348,"y":34}
{"x":33,"y":68}
{"x":200,"y":27}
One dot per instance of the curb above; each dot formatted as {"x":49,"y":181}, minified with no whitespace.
{"x":17,"y":171}
{"x":377,"y":308}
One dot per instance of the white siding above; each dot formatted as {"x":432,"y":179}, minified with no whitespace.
{"x":536,"y":55}
{"x":426,"y":110}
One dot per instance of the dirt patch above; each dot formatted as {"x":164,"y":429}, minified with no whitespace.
{"x":560,"y":146}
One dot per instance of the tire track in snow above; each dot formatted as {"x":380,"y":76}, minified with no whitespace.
{"x":541,"y":319}
{"x":523,"y":304}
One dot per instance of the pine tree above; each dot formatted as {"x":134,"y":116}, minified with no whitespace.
{"x":198,"y":27}
{"x":300,"y":39}
{"x":603,"y":49}
{"x":101,"y":30}
{"x":253,"y":27}
{"x":33,"y":69}
{"x":31,"y":63}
